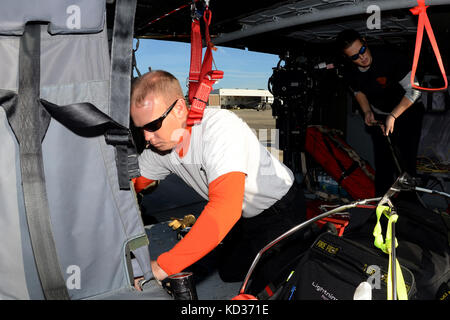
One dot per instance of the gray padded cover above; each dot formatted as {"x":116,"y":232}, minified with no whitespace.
{"x":92,"y":220}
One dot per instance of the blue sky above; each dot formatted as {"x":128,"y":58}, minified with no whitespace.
{"x":242,"y":69}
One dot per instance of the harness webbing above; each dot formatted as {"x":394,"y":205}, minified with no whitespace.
{"x":201,"y":75}
{"x":29,"y":122}
{"x":424,"y":23}
{"x":119,"y":93}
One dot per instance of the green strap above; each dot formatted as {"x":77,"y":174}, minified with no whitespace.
{"x":385,"y":246}
{"x":379,"y":242}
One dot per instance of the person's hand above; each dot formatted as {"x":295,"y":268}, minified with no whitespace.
{"x":369,"y":118}
{"x":389,"y":126}
{"x":137,"y":284}
{"x":158,"y":272}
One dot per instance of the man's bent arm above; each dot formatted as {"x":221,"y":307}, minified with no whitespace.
{"x":224,"y":209}
{"x":363,"y":102}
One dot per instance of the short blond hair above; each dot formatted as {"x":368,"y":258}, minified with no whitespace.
{"x":160,"y":83}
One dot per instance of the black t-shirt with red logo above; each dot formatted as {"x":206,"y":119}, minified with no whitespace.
{"x":380,"y":83}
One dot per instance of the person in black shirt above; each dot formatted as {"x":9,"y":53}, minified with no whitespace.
{"x":380,"y":82}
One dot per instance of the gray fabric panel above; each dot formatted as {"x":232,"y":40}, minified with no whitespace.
{"x":92,"y":219}
{"x":9,"y":68}
{"x":19,"y":279}
{"x":118,"y":212}
{"x":87,"y":231}
{"x":143,"y":257}
{"x":128,"y":211}
{"x":64,"y":60}
{"x":136,"y":268}
{"x":65,"y":16}
{"x":68,"y":59}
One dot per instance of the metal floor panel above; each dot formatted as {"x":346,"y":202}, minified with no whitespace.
{"x":208,"y":283}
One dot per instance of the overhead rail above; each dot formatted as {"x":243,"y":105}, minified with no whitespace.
{"x":318,"y":12}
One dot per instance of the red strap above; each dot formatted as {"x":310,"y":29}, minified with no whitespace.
{"x":244,"y":296}
{"x":207,"y":60}
{"x":196,"y":58}
{"x":201,"y":96}
{"x":269,"y":290}
{"x":201,"y":79}
{"x":424,"y":22}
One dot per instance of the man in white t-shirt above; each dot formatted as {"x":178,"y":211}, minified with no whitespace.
{"x":222,"y":159}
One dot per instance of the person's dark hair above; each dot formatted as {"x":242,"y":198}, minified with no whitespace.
{"x":345,"y":38}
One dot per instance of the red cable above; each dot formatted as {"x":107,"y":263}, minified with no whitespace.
{"x":366,"y":206}
{"x":167,"y":14}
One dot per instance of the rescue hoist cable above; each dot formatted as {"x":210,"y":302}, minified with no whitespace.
{"x":167,"y":14}
{"x":424,"y":23}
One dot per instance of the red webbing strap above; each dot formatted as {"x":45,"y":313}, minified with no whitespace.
{"x":244,"y":296}
{"x":201,"y":86}
{"x":207,"y":60}
{"x":199,"y":102}
{"x":196,"y":58}
{"x":424,"y":23}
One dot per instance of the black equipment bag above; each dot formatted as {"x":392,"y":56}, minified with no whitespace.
{"x":276,"y":264}
{"x":423,"y":243}
{"x":334,"y":267}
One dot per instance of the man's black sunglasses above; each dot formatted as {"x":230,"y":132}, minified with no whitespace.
{"x":157,"y":123}
{"x":361,"y":51}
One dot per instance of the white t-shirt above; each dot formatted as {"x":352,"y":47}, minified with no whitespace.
{"x":220,"y":144}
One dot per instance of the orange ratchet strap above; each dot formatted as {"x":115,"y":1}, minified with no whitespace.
{"x":424,"y":23}
{"x":201,"y":76}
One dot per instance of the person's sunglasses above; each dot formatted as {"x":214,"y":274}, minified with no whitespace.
{"x":361,"y":51}
{"x":157,"y":123}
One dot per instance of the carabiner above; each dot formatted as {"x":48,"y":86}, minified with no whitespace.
{"x":196,"y":13}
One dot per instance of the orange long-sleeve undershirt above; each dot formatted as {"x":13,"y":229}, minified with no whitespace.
{"x":224,"y":208}
{"x":141,"y":183}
